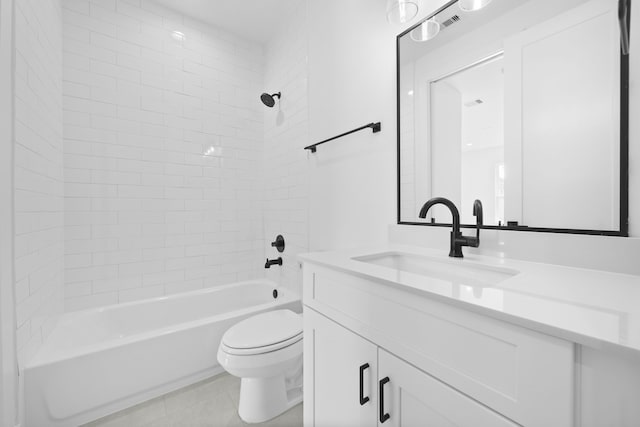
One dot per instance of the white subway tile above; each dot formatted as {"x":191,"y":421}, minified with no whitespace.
{"x":183,"y":286}
{"x":152,"y":211}
{"x":77,"y":260}
{"x":80,"y":6}
{"x":116,"y":231}
{"x":112,"y":43}
{"x":90,"y":301}
{"x":84,"y":20}
{"x":163,"y":278}
{"x":140,"y":268}
{"x":90,"y":273}
{"x":121,"y":283}
{"x":72,"y":290}
{"x":117,"y":257}
{"x":140,"y":293}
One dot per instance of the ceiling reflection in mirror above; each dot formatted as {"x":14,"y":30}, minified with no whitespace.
{"x":521,"y":104}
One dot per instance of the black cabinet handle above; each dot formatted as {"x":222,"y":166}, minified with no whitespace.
{"x":383,"y":417}
{"x":363,"y":399}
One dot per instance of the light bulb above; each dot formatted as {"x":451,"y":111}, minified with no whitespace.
{"x":426,"y":31}
{"x":472,"y":5}
{"x":401,"y":11}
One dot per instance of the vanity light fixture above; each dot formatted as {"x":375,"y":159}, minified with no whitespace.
{"x":472,"y":5}
{"x":401,"y":11}
{"x":426,"y":31}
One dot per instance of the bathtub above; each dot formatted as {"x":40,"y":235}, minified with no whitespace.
{"x":99,"y":361}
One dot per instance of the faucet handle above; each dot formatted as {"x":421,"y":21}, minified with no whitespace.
{"x":477,"y":211}
{"x":474,"y":242}
{"x":278,"y":243}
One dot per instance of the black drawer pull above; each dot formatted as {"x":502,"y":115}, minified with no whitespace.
{"x":383,"y":417}
{"x":363,"y":399}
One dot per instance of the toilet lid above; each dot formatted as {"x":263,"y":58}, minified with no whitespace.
{"x":264,"y":330}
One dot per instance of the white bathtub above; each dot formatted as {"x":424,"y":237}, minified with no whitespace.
{"x":99,"y":361}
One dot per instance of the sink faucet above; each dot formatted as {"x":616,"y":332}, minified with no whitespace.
{"x":457,"y":239}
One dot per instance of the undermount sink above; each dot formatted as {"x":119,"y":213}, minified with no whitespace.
{"x":455,"y":270}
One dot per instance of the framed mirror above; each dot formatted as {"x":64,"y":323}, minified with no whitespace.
{"x":522,"y":104}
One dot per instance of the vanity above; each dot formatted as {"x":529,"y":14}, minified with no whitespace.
{"x":519,"y":109}
{"x":406,"y":336}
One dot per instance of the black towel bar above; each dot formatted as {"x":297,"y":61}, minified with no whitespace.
{"x":374,"y":126}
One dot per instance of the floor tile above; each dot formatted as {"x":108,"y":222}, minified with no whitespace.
{"x":138,"y":415}
{"x":209,"y":403}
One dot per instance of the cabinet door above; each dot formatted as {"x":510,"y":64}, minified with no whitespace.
{"x":412,"y":398}
{"x":336,"y":362}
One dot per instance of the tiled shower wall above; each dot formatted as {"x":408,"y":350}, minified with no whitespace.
{"x":163,"y":140}
{"x":285,"y":136}
{"x":38,"y":173}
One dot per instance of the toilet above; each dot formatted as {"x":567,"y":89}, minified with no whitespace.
{"x":265,"y":351}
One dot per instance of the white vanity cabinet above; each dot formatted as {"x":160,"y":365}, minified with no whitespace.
{"x":414,"y":398}
{"x":357,"y":383}
{"x":338,"y":362}
{"x":429,"y":363}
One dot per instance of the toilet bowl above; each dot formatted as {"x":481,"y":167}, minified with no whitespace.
{"x":265,"y":351}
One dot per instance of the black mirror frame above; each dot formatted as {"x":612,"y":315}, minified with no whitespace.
{"x":623,"y":231}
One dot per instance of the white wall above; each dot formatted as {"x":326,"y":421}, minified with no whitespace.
{"x":479,"y":182}
{"x":8,"y":352}
{"x":352,"y":81}
{"x":445,"y":146}
{"x":38,"y":173}
{"x":163,"y":153}
{"x":285,"y":172}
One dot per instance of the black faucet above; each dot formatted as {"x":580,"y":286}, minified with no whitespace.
{"x":270,"y":262}
{"x":457,"y":239}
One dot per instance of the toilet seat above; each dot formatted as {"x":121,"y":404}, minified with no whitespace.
{"x":263,"y":333}
{"x":263,"y":349}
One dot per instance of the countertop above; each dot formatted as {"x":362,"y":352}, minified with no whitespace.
{"x":590,"y":307}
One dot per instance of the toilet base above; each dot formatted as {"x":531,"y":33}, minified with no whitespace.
{"x":262,"y":399}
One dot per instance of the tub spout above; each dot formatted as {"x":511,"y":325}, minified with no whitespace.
{"x":270,"y":262}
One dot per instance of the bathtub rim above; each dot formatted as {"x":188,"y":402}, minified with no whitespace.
{"x":177,"y":295}
{"x":46,"y":356}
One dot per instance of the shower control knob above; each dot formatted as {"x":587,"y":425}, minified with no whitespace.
{"x":279,"y":243}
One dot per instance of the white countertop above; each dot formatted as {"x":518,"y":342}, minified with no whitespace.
{"x":590,"y":307}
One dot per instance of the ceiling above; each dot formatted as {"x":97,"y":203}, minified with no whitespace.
{"x":252,"y":19}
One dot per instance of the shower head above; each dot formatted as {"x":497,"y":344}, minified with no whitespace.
{"x":268,"y":99}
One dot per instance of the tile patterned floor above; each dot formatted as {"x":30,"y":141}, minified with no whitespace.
{"x":209,"y":403}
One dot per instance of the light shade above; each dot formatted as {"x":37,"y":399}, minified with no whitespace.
{"x":426,"y":31}
{"x":471,"y":5}
{"x":401,"y":11}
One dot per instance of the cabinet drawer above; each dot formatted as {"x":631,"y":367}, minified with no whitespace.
{"x":525,"y":375}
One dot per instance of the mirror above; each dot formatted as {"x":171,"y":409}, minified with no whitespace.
{"x":522,"y":104}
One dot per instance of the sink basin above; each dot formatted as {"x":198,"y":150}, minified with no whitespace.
{"x":456,"y":271}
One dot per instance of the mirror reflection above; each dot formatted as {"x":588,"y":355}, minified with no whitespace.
{"x":519,"y":105}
